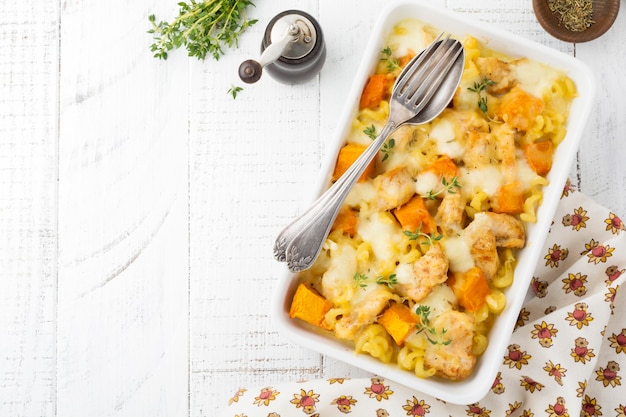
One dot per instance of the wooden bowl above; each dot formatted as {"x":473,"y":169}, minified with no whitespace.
{"x":604,"y":14}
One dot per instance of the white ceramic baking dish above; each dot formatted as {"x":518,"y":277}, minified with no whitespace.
{"x":477,"y":385}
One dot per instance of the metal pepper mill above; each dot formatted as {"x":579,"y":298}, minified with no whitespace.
{"x":292,"y":50}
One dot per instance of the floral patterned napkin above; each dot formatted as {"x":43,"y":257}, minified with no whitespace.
{"x":566,"y":357}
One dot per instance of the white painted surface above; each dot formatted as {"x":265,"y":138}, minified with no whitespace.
{"x":139,"y":201}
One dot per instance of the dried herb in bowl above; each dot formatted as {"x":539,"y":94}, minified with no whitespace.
{"x":574,"y":15}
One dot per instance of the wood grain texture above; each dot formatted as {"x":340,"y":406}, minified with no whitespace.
{"x":601,"y":169}
{"x":123,"y":217}
{"x":253,"y":161}
{"x":28,"y":171}
{"x":139,"y":201}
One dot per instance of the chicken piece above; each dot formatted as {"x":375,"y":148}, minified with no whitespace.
{"x":486,"y":233}
{"x":394,"y":188}
{"x":479,"y":151}
{"x":508,"y":230}
{"x":366,"y":306}
{"x":455,"y":360}
{"x":451,"y":214}
{"x":500,"y":72}
{"x":403,"y":136}
{"x":483,"y":249}
{"x":417,"y":280}
{"x":504,"y":137}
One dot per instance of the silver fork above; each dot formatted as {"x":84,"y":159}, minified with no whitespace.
{"x":300,"y":242}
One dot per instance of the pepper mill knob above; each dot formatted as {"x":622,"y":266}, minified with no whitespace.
{"x":250,"y":71}
{"x":292,"y":50}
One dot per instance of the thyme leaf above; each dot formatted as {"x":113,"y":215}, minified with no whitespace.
{"x":387,"y":147}
{"x":233,"y":90}
{"x":392,"y":63}
{"x":418,"y":233}
{"x":481,"y":89}
{"x":449,"y":187}
{"x":390,"y":281}
{"x":360,"y":280}
{"x":370,"y":131}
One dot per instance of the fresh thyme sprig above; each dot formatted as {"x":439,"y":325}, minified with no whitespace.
{"x":418,"y":233}
{"x":233,"y":90}
{"x":203,"y":27}
{"x":479,"y":88}
{"x":392,"y":63}
{"x":390,"y":281}
{"x":387,"y":147}
{"x":360,"y":280}
{"x":449,"y":187}
{"x":370,"y":131}
{"x":424,"y":326}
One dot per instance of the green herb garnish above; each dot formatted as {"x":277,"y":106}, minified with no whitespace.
{"x":204,"y":27}
{"x":434,"y":337}
{"x":481,"y":90}
{"x":370,"y":131}
{"x":233,"y":90}
{"x":418,"y":233}
{"x":360,"y":280}
{"x":387,"y":147}
{"x":449,"y":187}
{"x":392,"y":63}
{"x":390,"y":281}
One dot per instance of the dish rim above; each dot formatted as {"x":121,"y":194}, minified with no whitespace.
{"x":480,"y":381}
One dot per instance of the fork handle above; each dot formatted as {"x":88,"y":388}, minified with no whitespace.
{"x":300,"y":243}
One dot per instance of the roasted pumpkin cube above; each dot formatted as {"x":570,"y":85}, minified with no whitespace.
{"x":509,"y":199}
{"x":308,"y":305}
{"x":347,"y":155}
{"x":519,"y":109}
{"x":414,"y":215}
{"x":399,"y":321}
{"x":539,"y":156}
{"x":376,"y":90}
{"x":470,"y":288}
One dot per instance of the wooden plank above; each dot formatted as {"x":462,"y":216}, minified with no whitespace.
{"x":253,"y":162}
{"x":123,"y":218}
{"x":28,"y":230}
{"x":601,"y":156}
{"x":515,"y":16}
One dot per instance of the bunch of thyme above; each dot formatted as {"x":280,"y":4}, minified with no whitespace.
{"x":204,"y":27}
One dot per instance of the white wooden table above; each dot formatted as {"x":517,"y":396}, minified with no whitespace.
{"x":139,"y":201}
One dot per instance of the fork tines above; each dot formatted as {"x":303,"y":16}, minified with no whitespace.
{"x":428,"y":67}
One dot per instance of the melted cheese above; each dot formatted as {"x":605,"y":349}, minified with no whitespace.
{"x":440,"y":300}
{"x":534,"y":77}
{"x":337,"y":281}
{"x":487,"y":178}
{"x":427,"y":182}
{"x":458,"y":253}
{"x":444,"y":134}
{"x":383,"y":233}
{"x":404,"y":274}
{"x":409,"y":37}
{"x":361,"y":194}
